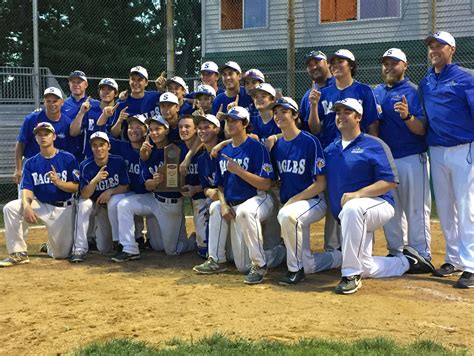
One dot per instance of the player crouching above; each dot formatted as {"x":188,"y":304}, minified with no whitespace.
{"x":49,"y":181}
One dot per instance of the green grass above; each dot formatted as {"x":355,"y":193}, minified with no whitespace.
{"x":221,"y":345}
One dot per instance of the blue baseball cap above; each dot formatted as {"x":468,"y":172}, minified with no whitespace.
{"x":78,"y":74}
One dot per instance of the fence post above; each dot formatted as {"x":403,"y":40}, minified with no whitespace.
{"x":36,"y":74}
{"x":290,"y":51}
{"x":170,"y":47}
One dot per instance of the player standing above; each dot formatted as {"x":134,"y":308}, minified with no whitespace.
{"x":178,"y":87}
{"x":261,"y":118}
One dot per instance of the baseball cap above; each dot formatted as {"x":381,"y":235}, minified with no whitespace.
{"x":267,"y":88}
{"x":140,"y":118}
{"x":168,"y":97}
{"x":210,"y":67}
{"x":231,"y":65}
{"x":395,"y":53}
{"x":204,"y":89}
{"x":350,"y":103}
{"x":343,"y":53}
{"x":286,"y":102}
{"x":109,"y":82}
{"x":177,"y":80}
{"x":209,"y":117}
{"x":142,"y":72}
{"x":254,"y":74}
{"x":443,"y":37}
{"x":53,"y":91}
{"x":44,"y":126}
{"x":78,"y":74}
{"x":237,"y":113}
{"x":158,"y":119}
{"x":99,"y":134}
{"x":318,"y":55}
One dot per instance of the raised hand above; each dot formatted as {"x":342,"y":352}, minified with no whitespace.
{"x":109,"y":110}
{"x":53,"y":176}
{"x":402,"y":107}
{"x":232,"y":166}
{"x":234,"y":103}
{"x":101,"y":175}
{"x":220,"y":113}
{"x":123,"y":114}
{"x":86,"y":105}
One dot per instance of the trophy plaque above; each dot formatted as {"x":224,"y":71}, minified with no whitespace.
{"x":173,"y":180}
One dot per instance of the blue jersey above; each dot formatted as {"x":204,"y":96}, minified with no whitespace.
{"x":36,"y":176}
{"x":305,"y":105}
{"x":329,"y":95}
{"x":27,"y":137}
{"x":131,"y":156}
{"x":185,"y":109}
{"x":222,"y":99}
{"x":261,"y":129}
{"x":207,"y":167}
{"x":192,"y":177}
{"x":156,"y":160}
{"x":89,"y":126}
{"x":252,"y":156}
{"x":448,"y":101}
{"x":393,"y":130}
{"x":117,"y":174}
{"x":366,"y":160}
{"x":298,"y":162}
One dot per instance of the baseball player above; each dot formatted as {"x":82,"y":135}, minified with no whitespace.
{"x":210,"y":76}
{"x":402,"y":128}
{"x":204,"y":95}
{"x":300,"y":163}
{"x":360,"y":176}
{"x":447,"y":92}
{"x":252,"y":78}
{"x":261,"y":118}
{"x":102,"y":176}
{"x":50,"y":179}
{"x":178,"y":87}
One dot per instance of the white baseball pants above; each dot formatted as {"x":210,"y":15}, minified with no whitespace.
{"x":201,"y":220}
{"x":113,"y":216}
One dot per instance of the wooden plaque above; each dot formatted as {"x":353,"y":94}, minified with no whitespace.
{"x":173,"y":180}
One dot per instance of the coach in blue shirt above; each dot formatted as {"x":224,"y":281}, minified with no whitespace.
{"x":448,"y":101}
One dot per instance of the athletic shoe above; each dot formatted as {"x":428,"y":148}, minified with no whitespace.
{"x":418,"y":264}
{"x":292,"y":278}
{"x":465,"y":281}
{"x":141,"y":243}
{"x":125,"y":256}
{"x":446,"y":270}
{"x":256,"y":275}
{"x":349,"y":284}
{"x":210,"y":267}
{"x":92,"y":246}
{"x":77,"y":257}
{"x":17,"y":258}
{"x":44,"y":247}
{"x":117,"y":246}
{"x":202,"y":252}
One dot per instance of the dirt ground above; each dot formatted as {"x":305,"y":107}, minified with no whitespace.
{"x":52,"y":306}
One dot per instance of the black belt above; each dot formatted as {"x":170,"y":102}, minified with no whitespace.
{"x":237,"y":202}
{"x":61,"y":204}
{"x":167,"y":200}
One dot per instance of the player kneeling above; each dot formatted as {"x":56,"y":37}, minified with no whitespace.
{"x":102,"y":176}
{"x":49,"y":181}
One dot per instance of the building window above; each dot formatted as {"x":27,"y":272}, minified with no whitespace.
{"x":350,"y":10}
{"x":243,"y":14}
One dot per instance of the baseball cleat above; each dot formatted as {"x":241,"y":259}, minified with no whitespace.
{"x":349,"y":285}
{"x":446,"y":270}
{"x":465,"y":281}
{"x":256,"y":275}
{"x":210,"y":267}
{"x":125,"y":256}
{"x":77,"y":257}
{"x":17,"y":258}
{"x":418,"y":264}
{"x":292,"y":278}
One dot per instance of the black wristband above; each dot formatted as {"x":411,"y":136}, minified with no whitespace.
{"x":408,"y":117}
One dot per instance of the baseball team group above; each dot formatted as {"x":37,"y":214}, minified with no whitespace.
{"x":258,"y":169}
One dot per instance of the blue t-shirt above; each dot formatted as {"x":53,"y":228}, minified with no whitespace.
{"x":305,"y":105}
{"x":330,"y":95}
{"x":244,"y":100}
{"x":27,"y":137}
{"x":448,"y":101}
{"x":89,"y":126}
{"x":393,"y":130}
{"x":297,"y":163}
{"x":117,"y":174}
{"x":252,"y":156}
{"x":207,"y":167}
{"x":36,"y":178}
{"x":366,"y":160}
{"x":186,"y":109}
{"x":261,"y":129}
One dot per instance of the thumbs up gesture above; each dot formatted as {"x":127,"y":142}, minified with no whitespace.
{"x":402,"y":107}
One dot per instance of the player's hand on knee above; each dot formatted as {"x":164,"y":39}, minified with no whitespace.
{"x":227,"y":212}
{"x":102,"y":174}
{"x":29,"y":215}
{"x":104,"y":197}
{"x":212,"y":194}
{"x":349,"y":196}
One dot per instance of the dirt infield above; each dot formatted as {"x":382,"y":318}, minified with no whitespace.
{"x":52,"y":306}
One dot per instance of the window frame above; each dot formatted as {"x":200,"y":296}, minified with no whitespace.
{"x":246,"y":29}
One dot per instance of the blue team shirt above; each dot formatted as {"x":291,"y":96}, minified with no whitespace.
{"x":305,"y":105}
{"x":393,"y":130}
{"x":185,"y":109}
{"x":89,"y":126}
{"x":261,"y":129}
{"x":35,"y":176}
{"x":116,"y":168}
{"x":207,"y":167}
{"x":192,"y":177}
{"x":27,"y":137}
{"x":297,"y":163}
{"x":330,"y":95}
{"x":244,"y":100}
{"x":366,"y":160}
{"x":448,"y":101}
{"x":252,"y":156}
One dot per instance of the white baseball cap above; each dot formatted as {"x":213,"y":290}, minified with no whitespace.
{"x":53,"y":91}
{"x":318,"y":55}
{"x":232,"y":65}
{"x":204,"y":89}
{"x":237,"y":113}
{"x":210,"y":67}
{"x":209,"y":117}
{"x":267,"y":88}
{"x":350,"y":103}
{"x":78,"y":74}
{"x":255,"y":74}
{"x":177,"y":80}
{"x":286,"y":102}
{"x":158,"y":119}
{"x":99,"y":134}
{"x":109,"y":82}
{"x":140,"y":118}
{"x":343,"y":53}
{"x":44,"y":126}
{"x":169,"y":97}
{"x":443,"y":37}
{"x":142,"y":72}
{"x":395,"y":53}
